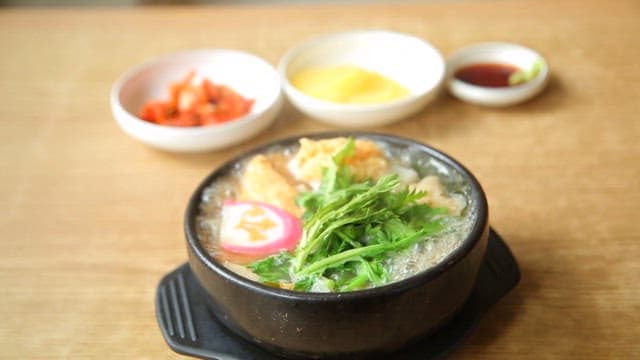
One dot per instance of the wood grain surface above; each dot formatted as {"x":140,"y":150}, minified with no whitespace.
{"x":92,"y":219}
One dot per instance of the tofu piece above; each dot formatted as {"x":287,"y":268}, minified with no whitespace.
{"x":263,"y":181}
{"x":437,"y":195}
{"x":367,"y":162}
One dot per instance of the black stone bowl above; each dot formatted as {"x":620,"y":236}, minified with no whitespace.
{"x":360,"y":324}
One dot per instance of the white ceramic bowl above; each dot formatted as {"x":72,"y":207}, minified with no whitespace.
{"x":412,"y":62}
{"x":247,"y":74}
{"x":502,"y":53}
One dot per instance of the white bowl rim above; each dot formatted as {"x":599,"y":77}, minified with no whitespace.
{"x":526,"y":90}
{"x":355,"y":108}
{"x":238,"y":122}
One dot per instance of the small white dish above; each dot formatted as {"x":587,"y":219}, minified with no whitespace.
{"x":410,"y":61}
{"x":247,"y":74}
{"x":497,"y":53}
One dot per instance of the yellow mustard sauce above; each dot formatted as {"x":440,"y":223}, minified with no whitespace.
{"x":348,"y":84}
{"x":256,"y":223}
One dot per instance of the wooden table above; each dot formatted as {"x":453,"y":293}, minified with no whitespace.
{"x":92,"y":219}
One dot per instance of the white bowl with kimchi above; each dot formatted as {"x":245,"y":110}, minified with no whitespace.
{"x":198,"y":100}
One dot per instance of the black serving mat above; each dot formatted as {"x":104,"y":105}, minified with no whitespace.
{"x":190,"y":328}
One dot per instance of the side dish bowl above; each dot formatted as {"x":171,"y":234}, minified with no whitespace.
{"x":410,"y":61}
{"x":245,"y":73}
{"x":499,"y":53}
{"x":357,"y":324}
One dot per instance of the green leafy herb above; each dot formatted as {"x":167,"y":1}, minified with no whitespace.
{"x":349,"y":228}
{"x":522,"y":76}
{"x":273,"y":269}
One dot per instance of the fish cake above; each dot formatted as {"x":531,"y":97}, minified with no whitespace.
{"x":367,"y":162}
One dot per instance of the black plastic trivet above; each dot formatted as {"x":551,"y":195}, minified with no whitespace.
{"x":190,"y":328}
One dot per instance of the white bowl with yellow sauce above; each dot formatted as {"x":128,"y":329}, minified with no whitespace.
{"x":362,"y":78}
